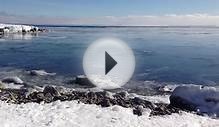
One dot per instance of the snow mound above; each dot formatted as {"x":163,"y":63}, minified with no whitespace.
{"x":74,"y":114}
{"x":202,"y":99}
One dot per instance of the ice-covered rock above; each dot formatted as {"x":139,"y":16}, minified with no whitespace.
{"x":203,"y":99}
{"x":167,"y":88}
{"x":41,"y":73}
{"x":15,"y":80}
{"x":26,"y":28}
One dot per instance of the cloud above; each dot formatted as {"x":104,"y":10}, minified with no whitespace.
{"x":133,"y":20}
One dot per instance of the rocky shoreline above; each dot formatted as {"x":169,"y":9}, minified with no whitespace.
{"x":200,"y":100}
{"x":102,"y":98}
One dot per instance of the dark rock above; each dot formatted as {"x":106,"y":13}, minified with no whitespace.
{"x":181,"y":103}
{"x":164,"y":109}
{"x":105,"y":103}
{"x":83,"y":80}
{"x":48,"y":97}
{"x":138,"y":110}
{"x":123,"y":94}
{"x":62,"y":90}
{"x":36,"y":97}
{"x":51,"y":94}
{"x":51,"y":90}
{"x":42,"y":30}
{"x":138,"y":101}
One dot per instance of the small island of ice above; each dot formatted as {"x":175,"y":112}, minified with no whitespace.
{"x":12,"y":28}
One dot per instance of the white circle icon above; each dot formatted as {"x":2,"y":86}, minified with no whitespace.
{"x":109,"y":63}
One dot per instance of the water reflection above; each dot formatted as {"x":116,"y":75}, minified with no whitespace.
{"x":18,"y":36}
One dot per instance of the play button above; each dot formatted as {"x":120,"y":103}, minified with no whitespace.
{"x":109,"y":63}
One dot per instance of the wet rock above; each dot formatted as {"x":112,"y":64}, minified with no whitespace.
{"x":48,"y":97}
{"x":51,"y":90}
{"x":41,"y":73}
{"x":62,"y":90}
{"x":164,"y":109}
{"x":15,"y":80}
{"x":102,"y":98}
{"x":83,"y":80}
{"x":182,"y":103}
{"x":123,"y":94}
{"x":8,"y":96}
{"x":36,"y":97}
{"x":138,"y":101}
{"x":90,"y":98}
{"x":105,"y":103}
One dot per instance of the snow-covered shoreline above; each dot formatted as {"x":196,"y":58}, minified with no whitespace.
{"x":72,"y":113}
{"x":13,"y":28}
{"x":23,"y":103}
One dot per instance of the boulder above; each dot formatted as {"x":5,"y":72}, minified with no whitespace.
{"x":15,"y":80}
{"x":202,"y":99}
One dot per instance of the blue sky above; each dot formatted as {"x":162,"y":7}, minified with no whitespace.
{"x":91,"y":10}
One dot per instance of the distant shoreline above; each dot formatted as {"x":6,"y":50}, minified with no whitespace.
{"x":120,"y":26}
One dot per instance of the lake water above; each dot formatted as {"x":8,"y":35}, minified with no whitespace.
{"x":163,"y":54}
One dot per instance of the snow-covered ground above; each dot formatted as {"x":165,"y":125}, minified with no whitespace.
{"x":73,"y":114}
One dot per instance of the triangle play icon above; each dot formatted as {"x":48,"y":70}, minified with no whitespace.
{"x":109,"y":63}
